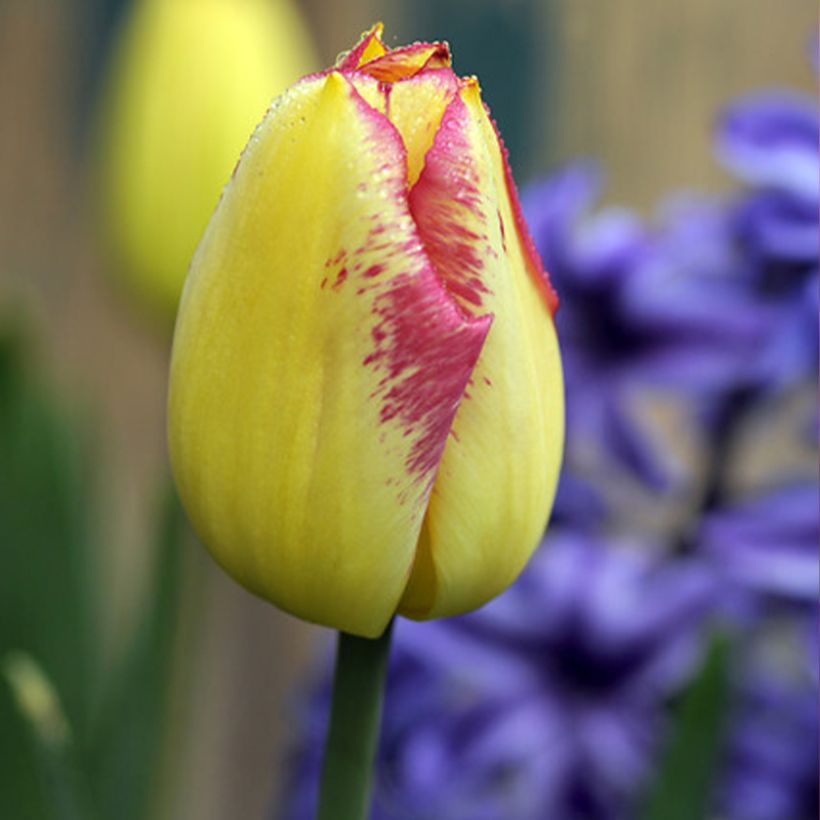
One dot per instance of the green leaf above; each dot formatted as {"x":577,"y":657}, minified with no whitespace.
{"x":683,"y":788}
{"x":21,"y":785}
{"x":38,"y":704}
{"x":129,"y":741}
{"x":48,"y":594}
{"x":46,"y":579}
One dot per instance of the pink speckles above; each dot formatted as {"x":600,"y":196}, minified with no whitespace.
{"x":386,"y":242}
{"x":341,"y":277}
{"x":337,"y":270}
{"x":373,"y":271}
{"x":336,"y":260}
{"x":487,"y":381}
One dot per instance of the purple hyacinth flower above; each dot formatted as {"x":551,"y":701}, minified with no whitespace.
{"x":671,"y":306}
{"x":578,"y":504}
{"x":549,"y":702}
{"x":692,"y":295}
{"x":770,"y":140}
{"x":771,"y":766}
{"x":667,"y":309}
{"x":714,"y":304}
{"x":775,"y":225}
{"x":767,"y":546}
{"x":766,"y":550}
{"x":773,"y":755}
{"x":589,"y":258}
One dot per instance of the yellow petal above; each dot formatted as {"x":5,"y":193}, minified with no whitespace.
{"x":416,"y":107}
{"x":402,"y":63}
{"x":497,"y":477}
{"x":318,"y":363}
{"x":189,"y":82}
{"x":370,"y":47}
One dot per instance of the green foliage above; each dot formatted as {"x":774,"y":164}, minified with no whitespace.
{"x":105,"y":765}
{"x":49,"y":735}
{"x":129,"y":737}
{"x":683,"y":788}
{"x":45,"y":583}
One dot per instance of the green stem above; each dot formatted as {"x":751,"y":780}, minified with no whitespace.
{"x":358,"y":691}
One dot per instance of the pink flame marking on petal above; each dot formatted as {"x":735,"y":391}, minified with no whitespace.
{"x":533,"y":259}
{"x":425,"y":371}
{"x":449,"y":186}
{"x":424,"y":346}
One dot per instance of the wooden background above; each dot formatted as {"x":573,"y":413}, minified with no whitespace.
{"x":635,"y":83}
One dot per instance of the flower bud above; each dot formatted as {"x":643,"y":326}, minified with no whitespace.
{"x":189,"y":81}
{"x":366,"y":402}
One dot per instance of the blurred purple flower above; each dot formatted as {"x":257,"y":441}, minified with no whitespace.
{"x":607,"y":352}
{"x":640,"y":308}
{"x":770,"y":141}
{"x":765,"y":551}
{"x":767,"y":546}
{"x":771,"y":771}
{"x":549,"y":702}
{"x":716,"y":304}
{"x":669,"y":306}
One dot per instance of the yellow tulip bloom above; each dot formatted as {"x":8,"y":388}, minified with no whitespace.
{"x":189,"y":82}
{"x":366,"y":400}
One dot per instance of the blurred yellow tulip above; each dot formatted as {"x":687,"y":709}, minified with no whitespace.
{"x":189,"y":81}
{"x":366,"y":401}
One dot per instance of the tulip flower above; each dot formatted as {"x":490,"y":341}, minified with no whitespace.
{"x":366,"y":403}
{"x":189,"y":81}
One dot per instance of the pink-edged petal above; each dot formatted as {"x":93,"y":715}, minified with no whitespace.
{"x":370,"y":47}
{"x":497,"y":477}
{"x":451,"y":210}
{"x":408,"y":61}
{"x":533,"y":259}
{"x":416,"y":106}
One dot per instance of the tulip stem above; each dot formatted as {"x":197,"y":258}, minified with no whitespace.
{"x":355,"y":716}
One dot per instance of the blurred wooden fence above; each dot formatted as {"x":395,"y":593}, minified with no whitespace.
{"x":635,"y":83}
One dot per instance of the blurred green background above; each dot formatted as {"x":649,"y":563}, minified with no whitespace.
{"x":91,"y":545}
